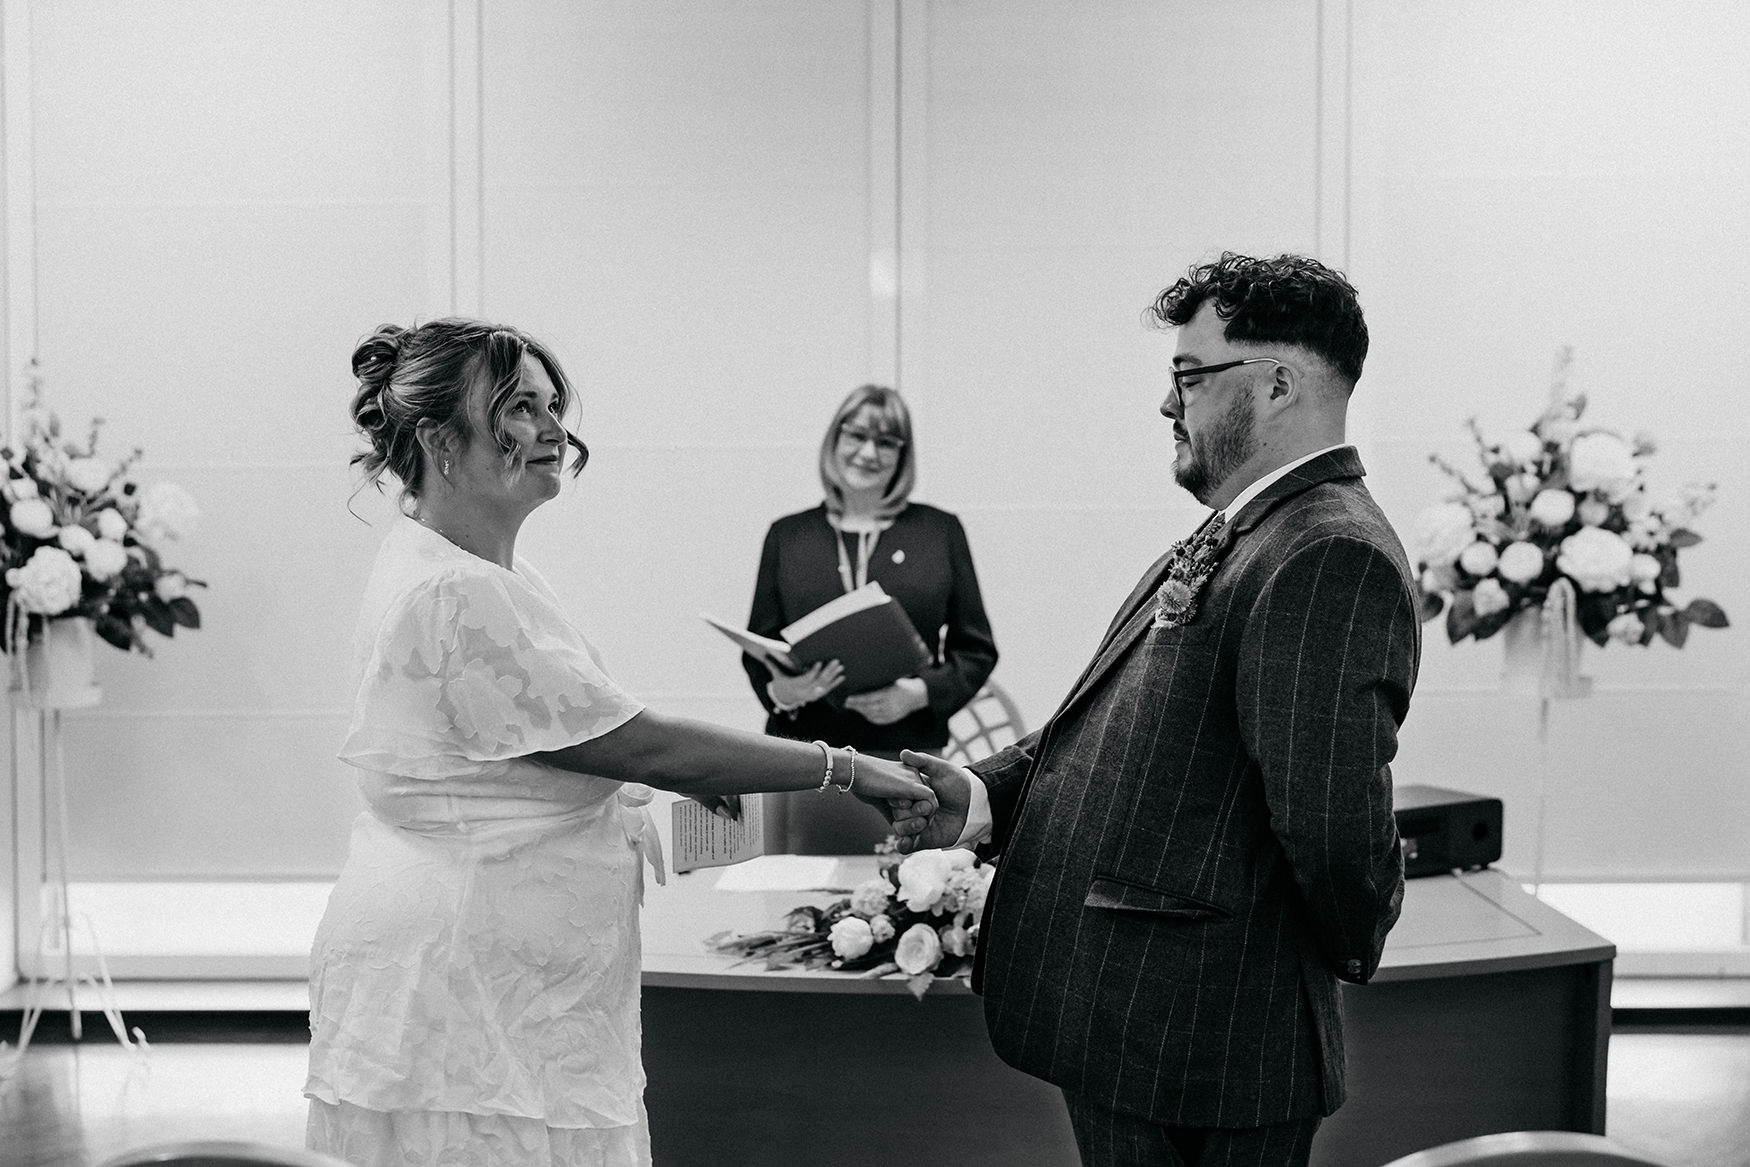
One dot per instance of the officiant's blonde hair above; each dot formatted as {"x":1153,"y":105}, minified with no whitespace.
{"x":892,"y":419}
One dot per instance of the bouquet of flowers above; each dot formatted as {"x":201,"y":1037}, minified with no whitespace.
{"x":918,"y":916}
{"x":77,"y":538}
{"x":1565,"y":506}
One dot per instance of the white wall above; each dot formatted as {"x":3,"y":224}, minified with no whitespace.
{"x":1528,"y":176}
{"x":698,"y":204}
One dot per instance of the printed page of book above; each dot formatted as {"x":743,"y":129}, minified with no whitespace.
{"x":703,"y":839}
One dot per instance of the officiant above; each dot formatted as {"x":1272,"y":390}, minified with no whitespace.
{"x":867,"y":529}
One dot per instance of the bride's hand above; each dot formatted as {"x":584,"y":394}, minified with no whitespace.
{"x":896,"y":791}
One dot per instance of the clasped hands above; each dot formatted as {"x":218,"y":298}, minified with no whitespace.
{"x":939,"y":820}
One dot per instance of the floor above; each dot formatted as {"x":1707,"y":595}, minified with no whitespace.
{"x":1680,"y":1095}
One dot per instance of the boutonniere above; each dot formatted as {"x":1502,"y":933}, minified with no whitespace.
{"x":1189,"y":566}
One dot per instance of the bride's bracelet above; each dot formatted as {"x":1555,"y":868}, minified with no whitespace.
{"x":851,"y":752}
{"x":826,"y":754}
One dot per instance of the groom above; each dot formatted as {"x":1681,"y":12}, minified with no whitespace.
{"x":1199,"y":843}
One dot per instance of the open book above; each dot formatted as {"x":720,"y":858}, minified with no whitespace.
{"x":865,"y":630}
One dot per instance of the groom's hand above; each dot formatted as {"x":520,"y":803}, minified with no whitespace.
{"x":953,"y":787}
{"x":906,"y":816}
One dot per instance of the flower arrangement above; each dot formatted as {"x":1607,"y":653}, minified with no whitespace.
{"x":918,"y":916}
{"x":1561,"y":505}
{"x":1193,"y":561}
{"x":77,"y":537}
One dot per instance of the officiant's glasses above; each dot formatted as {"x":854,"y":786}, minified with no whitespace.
{"x":1181,"y":375}
{"x":886,"y":445}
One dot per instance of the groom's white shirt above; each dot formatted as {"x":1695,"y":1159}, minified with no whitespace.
{"x":978,"y":816}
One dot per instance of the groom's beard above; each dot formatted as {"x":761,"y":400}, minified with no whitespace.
{"x":1225,"y":445}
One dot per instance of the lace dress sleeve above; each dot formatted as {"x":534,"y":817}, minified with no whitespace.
{"x":470,"y":668}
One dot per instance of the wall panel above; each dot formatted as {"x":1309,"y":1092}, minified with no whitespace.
{"x":226,"y":198}
{"x":1529,"y":176}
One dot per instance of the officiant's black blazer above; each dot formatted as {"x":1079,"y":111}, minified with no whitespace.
{"x":1199,"y":843}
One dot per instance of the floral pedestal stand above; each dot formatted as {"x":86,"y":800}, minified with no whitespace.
{"x":54,"y":674}
{"x":1541,"y":660}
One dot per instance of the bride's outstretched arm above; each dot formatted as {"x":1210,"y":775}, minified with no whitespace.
{"x":702,"y":760}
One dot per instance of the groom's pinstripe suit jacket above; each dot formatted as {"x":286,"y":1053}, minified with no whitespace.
{"x":1200,"y":842}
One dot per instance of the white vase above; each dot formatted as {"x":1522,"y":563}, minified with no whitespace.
{"x":1528,"y":670}
{"x":60,"y":665}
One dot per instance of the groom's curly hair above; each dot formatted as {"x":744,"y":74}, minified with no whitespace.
{"x":1287,"y":299}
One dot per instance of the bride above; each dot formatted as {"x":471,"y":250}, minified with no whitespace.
{"x":474,"y":980}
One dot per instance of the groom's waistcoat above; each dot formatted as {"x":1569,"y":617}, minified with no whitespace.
{"x":1199,"y":843}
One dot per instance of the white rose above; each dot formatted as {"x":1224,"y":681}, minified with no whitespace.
{"x":166,"y":512}
{"x":959,"y":858}
{"x":89,"y":475}
{"x":173,"y":585}
{"x":1596,"y":559}
{"x":1442,"y":531}
{"x":1552,"y":508}
{"x":1643,"y":568}
{"x":32,"y":516}
{"x":105,"y":558}
{"x":1521,"y":487}
{"x":1601,"y":461}
{"x":1626,"y":628}
{"x":1439,"y":579}
{"x":869,"y":897}
{"x":49,"y":584}
{"x":1520,"y":562}
{"x":1524,"y":447}
{"x":851,"y":938}
{"x":1637,"y":505}
{"x":1560,"y":430}
{"x":1489,"y":597}
{"x":919,"y":950}
{"x":923,"y":877}
{"x":1593,"y":512}
{"x":973,"y":908}
{"x":1479,"y":558}
{"x":881,"y":927}
{"x":22,"y":487}
{"x":1487,"y":506}
{"x":955,"y":940}
{"x":111,"y":525}
{"x":76,"y":540}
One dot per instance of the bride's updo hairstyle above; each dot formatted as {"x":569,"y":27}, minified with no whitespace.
{"x":410,"y":375}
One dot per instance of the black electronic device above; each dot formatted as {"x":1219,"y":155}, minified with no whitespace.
{"x":1446,"y":829}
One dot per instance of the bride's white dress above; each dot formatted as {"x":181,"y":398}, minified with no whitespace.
{"x":474,"y":981}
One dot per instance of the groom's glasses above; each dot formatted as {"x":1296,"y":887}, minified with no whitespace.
{"x":1183,"y":378}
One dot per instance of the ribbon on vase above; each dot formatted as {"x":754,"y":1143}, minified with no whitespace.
{"x":1560,"y":640}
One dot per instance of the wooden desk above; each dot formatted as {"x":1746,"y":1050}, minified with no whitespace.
{"x":1490,"y":1012}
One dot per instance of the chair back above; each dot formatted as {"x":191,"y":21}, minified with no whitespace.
{"x":989,"y":722}
{"x":220,"y":1153}
{"x":1529,"y":1149}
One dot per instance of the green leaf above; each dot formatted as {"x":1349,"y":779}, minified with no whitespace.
{"x":1674,"y":627}
{"x":1684,"y":538}
{"x":117,"y":632}
{"x":1461,"y":617}
{"x":1668,"y":574}
{"x":1706,"y":613}
{"x":183,"y":611}
{"x":1428,"y":605}
{"x":158,"y":616}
